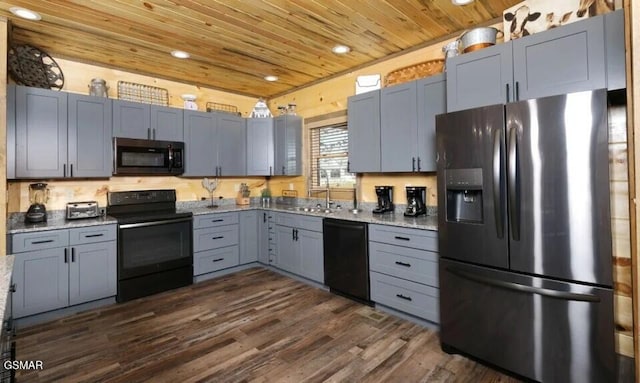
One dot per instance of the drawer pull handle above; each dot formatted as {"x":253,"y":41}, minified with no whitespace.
{"x":218,"y":259}
{"x":403,"y":238}
{"x":217,"y":220}
{"x":43,"y":241}
{"x":406,"y":298}
{"x":218,"y":237}
{"x":93,"y":235}
{"x":403,"y":264}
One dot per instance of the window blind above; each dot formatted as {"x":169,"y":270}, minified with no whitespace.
{"x":329,"y":155}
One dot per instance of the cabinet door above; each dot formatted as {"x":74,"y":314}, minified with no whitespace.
{"x":41,"y":133}
{"x":260,"y":147}
{"x":11,"y":131}
{"x":614,"y":44}
{"x":89,"y":136}
{"x":310,"y":247}
{"x":363,"y":122}
{"x":131,"y":119}
{"x":263,"y":232}
{"x":288,"y":258}
{"x":249,"y":236}
{"x":231,"y":145}
{"x":200,"y":145}
{"x":399,"y":128}
{"x":288,"y":145}
{"x":41,"y":280}
{"x":432,"y":100}
{"x":560,"y":60}
{"x":167,"y":124}
{"x":92,"y":272}
{"x":480,"y":78}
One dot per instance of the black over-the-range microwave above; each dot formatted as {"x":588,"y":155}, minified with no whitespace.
{"x":147,"y":157}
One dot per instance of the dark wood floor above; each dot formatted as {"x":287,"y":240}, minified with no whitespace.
{"x":252,"y":326}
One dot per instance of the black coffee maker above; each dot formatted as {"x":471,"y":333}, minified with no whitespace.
{"x":416,"y":195}
{"x":38,"y":196}
{"x":385,"y":199}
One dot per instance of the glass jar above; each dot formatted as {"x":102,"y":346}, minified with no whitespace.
{"x":98,"y":87}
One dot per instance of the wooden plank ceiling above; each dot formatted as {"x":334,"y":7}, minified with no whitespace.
{"x":235,"y":43}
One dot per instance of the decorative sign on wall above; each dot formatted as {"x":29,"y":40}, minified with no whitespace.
{"x":533,"y":16}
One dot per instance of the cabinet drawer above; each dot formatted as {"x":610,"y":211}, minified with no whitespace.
{"x":214,"y":260}
{"x":215,"y":237}
{"x":410,"y":297}
{"x":218,"y":219}
{"x":299,"y":221}
{"x":81,"y":235}
{"x":41,"y":240}
{"x":415,"y":265}
{"x":393,"y":235}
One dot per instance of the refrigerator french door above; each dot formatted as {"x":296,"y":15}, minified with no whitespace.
{"x":525,"y":238}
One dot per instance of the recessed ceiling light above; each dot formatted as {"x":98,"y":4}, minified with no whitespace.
{"x":271,"y":78}
{"x":341,"y":49}
{"x":461,"y":2}
{"x":25,"y":13}
{"x":180,"y":54}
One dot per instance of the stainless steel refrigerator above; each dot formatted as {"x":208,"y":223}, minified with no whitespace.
{"x":525,"y":238}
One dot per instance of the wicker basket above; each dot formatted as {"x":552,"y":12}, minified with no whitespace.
{"x":413,"y":72}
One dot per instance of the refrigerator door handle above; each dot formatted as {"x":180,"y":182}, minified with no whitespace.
{"x":514,"y":214}
{"x":497,"y":172}
{"x":564,"y":295}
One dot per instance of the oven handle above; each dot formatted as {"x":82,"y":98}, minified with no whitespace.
{"x":153,"y":223}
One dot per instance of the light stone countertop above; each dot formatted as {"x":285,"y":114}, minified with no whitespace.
{"x":6,"y":270}
{"x":55,"y":221}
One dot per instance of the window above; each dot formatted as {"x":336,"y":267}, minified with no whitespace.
{"x":329,"y":156}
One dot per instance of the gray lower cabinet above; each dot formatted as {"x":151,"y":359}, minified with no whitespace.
{"x":260,"y":147}
{"x":215,"y":144}
{"x":264,"y":227}
{"x":145,"y":121}
{"x":53,"y":134}
{"x":299,"y":245}
{"x":403,"y":270}
{"x":566,"y":59}
{"x":249,"y":236}
{"x":216,"y":240}
{"x":363,"y":120}
{"x":58,"y":268}
{"x":288,"y":145}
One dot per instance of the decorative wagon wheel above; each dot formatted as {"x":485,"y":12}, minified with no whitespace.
{"x":32,"y":67}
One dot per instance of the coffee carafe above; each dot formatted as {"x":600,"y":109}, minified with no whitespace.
{"x":385,"y":199}
{"x":416,"y":195}
{"x":38,"y":196}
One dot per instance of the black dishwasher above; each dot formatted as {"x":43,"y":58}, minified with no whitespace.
{"x":346,"y":258}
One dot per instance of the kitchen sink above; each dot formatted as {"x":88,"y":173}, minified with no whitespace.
{"x":312,"y":209}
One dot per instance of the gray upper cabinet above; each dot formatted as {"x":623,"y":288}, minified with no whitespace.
{"x":249,"y":236}
{"x":144,"y":121}
{"x":199,"y":137}
{"x":131,"y":119}
{"x":432,"y":100}
{"x":567,"y":59}
{"x":399,"y":128}
{"x":614,"y":44}
{"x":167,"y":124}
{"x":260,"y":149}
{"x":89,"y":136}
{"x":40,"y":133}
{"x":480,"y":78}
{"x":560,"y":60}
{"x":231,"y":145}
{"x":363,"y":121}
{"x":288,"y":145}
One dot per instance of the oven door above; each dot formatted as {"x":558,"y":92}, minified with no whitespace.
{"x":154,"y":246}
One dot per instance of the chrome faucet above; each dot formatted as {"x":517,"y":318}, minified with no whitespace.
{"x":328,"y":201}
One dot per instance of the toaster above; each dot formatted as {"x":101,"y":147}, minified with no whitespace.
{"x":79,"y":210}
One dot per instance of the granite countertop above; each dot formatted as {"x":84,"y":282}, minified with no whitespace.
{"x":16,"y":224}
{"x":57,"y":220}
{"x":6,"y":269}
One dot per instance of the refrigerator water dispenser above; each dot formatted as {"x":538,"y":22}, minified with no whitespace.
{"x":464,"y":195}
